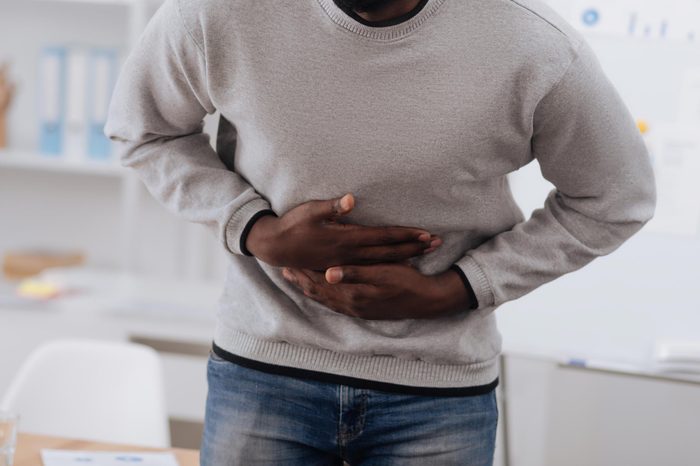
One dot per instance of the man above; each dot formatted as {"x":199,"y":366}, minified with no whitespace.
{"x":360,"y":194}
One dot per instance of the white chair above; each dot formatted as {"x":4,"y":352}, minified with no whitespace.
{"x":93,"y":390}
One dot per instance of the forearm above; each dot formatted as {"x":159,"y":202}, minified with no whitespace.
{"x":556,"y":240}
{"x":186,"y":176}
{"x":589,"y":148}
{"x":157,"y":116}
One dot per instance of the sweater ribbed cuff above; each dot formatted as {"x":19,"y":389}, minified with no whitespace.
{"x":239,"y":220}
{"x":467,"y":285}
{"x":478,"y":281}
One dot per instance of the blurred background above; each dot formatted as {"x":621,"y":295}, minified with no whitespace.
{"x":600,"y":367}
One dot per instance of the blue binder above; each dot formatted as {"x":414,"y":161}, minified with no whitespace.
{"x":52,"y":84}
{"x":102,"y":73}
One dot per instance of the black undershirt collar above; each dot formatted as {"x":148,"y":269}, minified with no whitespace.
{"x":385,"y":22}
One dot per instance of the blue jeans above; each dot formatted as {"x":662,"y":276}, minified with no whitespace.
{"x":257,"y":418}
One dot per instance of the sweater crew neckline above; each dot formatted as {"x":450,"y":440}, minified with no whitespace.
{"x":381,"y":33}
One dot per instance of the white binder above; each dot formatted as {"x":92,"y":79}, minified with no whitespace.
{"x":76,"y":129}
{"x":52,"y":71}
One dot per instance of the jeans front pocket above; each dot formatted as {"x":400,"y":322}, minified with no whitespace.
{"x":215,"y":358}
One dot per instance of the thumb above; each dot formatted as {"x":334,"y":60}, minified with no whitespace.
{"x":337,"y":207}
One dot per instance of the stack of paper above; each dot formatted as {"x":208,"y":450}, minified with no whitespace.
{"x":101,"y":458}
{"x":682,"y":356}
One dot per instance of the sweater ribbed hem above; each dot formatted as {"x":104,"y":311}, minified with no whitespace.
{"x":382,"y":368}
{"x":386,"y":33}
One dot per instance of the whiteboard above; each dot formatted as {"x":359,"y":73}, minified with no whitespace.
{"x":614,"y":308}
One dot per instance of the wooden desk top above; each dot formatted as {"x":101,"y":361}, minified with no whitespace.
{"x":29,"y":446}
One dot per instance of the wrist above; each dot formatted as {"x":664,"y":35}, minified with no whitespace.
{"x":3,"y":130}
{"x":261,"y":238}
{"x":450,"y":295}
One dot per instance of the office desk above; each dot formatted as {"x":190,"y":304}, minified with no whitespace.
{"x":30,"y":445}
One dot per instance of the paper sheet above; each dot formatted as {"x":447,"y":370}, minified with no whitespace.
{"x":676,"y":158}
{"x":94,"y":458}
{"x":689,"y":108}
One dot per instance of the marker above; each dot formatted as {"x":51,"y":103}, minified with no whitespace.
{"x":577,"y":362}
{"x":633,"y":23}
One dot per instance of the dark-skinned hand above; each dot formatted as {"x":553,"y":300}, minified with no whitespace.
{"x":383,"y":291}
{"x":312,"y":236}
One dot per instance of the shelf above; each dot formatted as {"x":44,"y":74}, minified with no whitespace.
{"x":32,"y":161}
{"x":98,"y":2}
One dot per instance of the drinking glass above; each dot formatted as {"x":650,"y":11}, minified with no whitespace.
{"x":8,"y":437}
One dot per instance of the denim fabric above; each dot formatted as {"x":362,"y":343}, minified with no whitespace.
{"x":257,"y":418}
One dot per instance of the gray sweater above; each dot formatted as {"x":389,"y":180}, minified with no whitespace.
{"x":421,"y":121}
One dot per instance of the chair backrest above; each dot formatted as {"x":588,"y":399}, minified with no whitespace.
{"x":93,"y":390}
